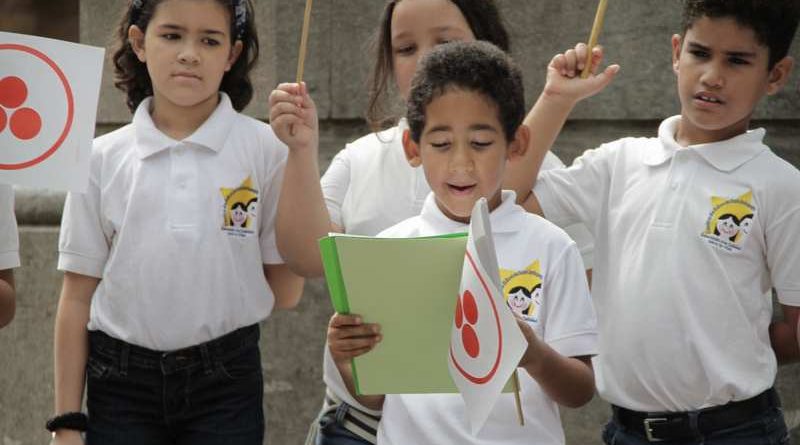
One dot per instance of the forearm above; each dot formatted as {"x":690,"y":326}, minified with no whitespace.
{"x":302,"y":216}
{"x":567,"y":380}
{"x":287,"y":287}
{"x":8,"y":305}
{"x":783,"y":336}
{"x":374,"y":402}
{"x":544,"y":121}
{"x":71,"y":349}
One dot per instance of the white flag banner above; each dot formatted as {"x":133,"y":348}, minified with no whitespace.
{"x":486,"y":344}
{"x":48,"y":105}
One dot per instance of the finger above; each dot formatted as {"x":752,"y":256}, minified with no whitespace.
{"x":287,"y":120}
{"x":345,"y":320}
{"x":597,"y":59}
{"x":278,"y":95}
{"x":351,"y":354}
{"x":289,"y":87}
{"x":354,"y":344}
{"x":572,"y":62}
{"x":603,"y":79}
{"x":580,"y":53}
{"x":558,"y":63}
{"x":285,"y":109}
{"x":357,"y":331}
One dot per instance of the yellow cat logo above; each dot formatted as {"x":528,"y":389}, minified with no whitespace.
{"x":241,"y":205}
{"x":522,"y":290}
{"x":731,"y":219}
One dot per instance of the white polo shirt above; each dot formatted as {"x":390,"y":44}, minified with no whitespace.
{"x":369,"y":186}
{"x":689,"y":243}
{"x":532,"y":254}
{"x":9,"y":239}
{"x":177,"y":230}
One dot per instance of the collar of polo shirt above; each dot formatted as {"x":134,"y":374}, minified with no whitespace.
{"x":504,"y":218}
{"x":725,"y":155}
{"x":211,"y":135}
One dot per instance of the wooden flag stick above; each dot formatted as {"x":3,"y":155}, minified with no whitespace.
{"x":301,"y":58}
{"x":517,"y":400}
{"x":596,"y":28}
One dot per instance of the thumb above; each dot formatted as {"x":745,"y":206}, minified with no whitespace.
{"x":602,"y":80}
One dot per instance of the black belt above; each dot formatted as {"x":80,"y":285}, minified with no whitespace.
{"x":657,"y":427}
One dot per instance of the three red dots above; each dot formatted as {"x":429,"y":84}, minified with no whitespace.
{"x":25,"y":123}
{"x":466,"y":318}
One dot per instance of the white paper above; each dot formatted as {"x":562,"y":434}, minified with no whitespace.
{"x":486,"y":344}
{"x":57,"y":84}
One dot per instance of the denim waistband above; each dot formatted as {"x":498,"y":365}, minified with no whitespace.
{"x":217,"y":349}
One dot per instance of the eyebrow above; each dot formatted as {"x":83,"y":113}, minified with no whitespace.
{"x":742,"y":54}
{"x":474,"y":127}
{"x":437,"y":29}
{"x":171,"y":26}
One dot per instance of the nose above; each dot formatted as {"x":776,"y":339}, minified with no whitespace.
{"x":188,"y":54}
{"x":713,"y":77}
{"x":461,"y":159}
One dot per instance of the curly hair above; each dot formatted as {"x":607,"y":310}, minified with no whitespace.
{"x":773,"y":21}
{"x":131,"y":76}
{"x":477,"y":66}
{"x":484,"y":21}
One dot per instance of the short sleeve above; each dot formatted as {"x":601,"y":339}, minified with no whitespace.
{"x":270,"y":194}
{"x":570,"y":325}
{"x":783,"y":256}
{"x":9,"y":239}
{"x":85,"y":237}
{"x":576,"y":194}
{"x":335,"y":183}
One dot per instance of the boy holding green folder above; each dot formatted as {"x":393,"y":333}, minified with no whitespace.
{"x":464,"y":114}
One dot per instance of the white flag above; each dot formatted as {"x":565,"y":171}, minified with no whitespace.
{"x":486,"y":344}
{"x":48,"y":102}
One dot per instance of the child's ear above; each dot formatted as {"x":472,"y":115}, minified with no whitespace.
{"x":136,"y":40}
{"x":676,"y":52}
{"x":411,"y":150}
{"x":779,"y":75}
{"x":236,"y":51}
{"x":518,"y":146}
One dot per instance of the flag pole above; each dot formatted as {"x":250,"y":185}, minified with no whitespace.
{"x":517,"y":400}
{"x":301,"y":58}
{"x":596,"y":28}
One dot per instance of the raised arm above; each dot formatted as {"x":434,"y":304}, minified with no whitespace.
{"x":302,"y":216}
{"x":563,"y":89}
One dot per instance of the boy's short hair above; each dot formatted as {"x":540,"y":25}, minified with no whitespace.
{"x":471,"y":66}
{"x":773,"y":21}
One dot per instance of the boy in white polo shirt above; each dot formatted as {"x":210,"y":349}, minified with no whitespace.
{"x":693,"y":230}
{"x":9,"y":254}
{"x":464,"y":113}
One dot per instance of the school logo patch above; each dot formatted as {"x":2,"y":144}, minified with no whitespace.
{"x":730,"y":222}
{"x":240,"y":209}
{"x":522,"y":290}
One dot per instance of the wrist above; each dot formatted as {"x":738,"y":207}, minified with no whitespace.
{"x":556,"y":100}
{"x":64,"y":423}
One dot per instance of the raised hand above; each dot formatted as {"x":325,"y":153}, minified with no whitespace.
{"x":564,"y":74}
{"x":293,"y":116}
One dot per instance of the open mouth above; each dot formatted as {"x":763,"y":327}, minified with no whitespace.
{"x":707,"y":98}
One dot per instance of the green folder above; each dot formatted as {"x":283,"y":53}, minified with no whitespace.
{"x":409,"y":286}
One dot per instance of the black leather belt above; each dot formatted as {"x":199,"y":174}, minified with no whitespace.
{"x":657,"y":427}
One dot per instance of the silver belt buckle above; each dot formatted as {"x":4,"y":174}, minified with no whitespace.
{"x":648,"y":430}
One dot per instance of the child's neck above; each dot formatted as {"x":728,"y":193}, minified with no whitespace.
{"x":179,"y":122}
{"x":688,"y":134}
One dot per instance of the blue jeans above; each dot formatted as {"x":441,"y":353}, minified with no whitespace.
{"x":331,"y":431}
{"x":210,"y":394}
{"x":767,"y":429}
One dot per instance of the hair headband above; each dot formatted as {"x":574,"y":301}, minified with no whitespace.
{"x":239,"y":15}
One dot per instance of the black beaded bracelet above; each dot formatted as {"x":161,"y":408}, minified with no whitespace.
{"x":69,"y":421}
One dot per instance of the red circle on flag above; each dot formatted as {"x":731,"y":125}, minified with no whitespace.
{"x":25,"y":123}
{"x":489,"y":375}
{"x":3,"y":119}
{"x":470,"y":308}
{"x":13,"y":92}
{"x":470,"y":340}
{"x":459,"y":313}
{"x":70,"y":105}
